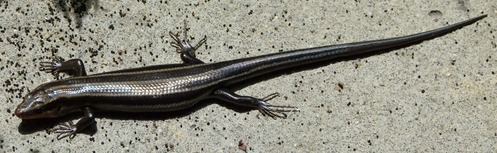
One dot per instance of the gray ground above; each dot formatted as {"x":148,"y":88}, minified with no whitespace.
{"x":436,"y":96}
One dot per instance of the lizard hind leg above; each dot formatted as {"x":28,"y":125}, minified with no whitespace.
{"x":261,"y":104}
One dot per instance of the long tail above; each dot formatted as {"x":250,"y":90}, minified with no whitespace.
{"x":370,"y":46}
{"x":247,"y":68}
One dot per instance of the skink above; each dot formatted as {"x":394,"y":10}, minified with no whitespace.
{"x":175,"y":87}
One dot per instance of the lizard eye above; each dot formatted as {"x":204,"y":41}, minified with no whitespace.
{"x":59,"y":108}
{"x":37,"y":102}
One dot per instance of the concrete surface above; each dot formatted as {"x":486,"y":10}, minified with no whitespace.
{"x":436,"y":96}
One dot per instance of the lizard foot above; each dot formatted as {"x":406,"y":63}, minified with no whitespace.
{"x":274,"y":111}
{"x":53,"y":66}
{"x":67,"y":129}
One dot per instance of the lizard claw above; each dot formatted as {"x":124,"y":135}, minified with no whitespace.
{"x":63,"y":130}
{"x":274,"y":111}
{"x":177,"y":42}
{"x":51,"y":67}
{"x":183,"y":45}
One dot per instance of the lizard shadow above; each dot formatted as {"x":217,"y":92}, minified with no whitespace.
{"x":77,"y":8}
{"x":28,"y":126}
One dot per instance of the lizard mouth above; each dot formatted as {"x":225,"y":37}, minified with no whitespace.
{"x":21,"y":113}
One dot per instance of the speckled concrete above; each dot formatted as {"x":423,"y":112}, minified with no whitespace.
{"x":436,"y":96}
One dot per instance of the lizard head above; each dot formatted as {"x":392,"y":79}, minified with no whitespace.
{"x":37,"y":104}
